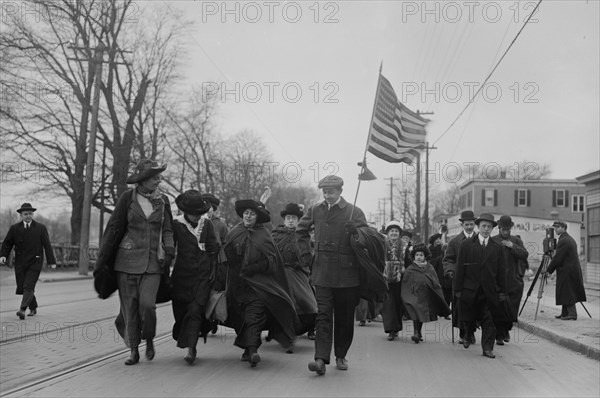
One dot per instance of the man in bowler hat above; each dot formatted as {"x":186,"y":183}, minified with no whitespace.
{"x":335,"y":271}
{"x":516,"y":258}
{"x":467,"y":221}
{"x":569,"y":278}
{"x":30,"y":240}
{"x":480,"y":283}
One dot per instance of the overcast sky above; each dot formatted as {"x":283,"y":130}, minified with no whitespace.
{"x":303,"y":75}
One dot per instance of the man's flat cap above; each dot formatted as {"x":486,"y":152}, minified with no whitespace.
{"x":331,"y":181}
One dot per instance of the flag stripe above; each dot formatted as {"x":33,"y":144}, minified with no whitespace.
{"x":396,"y":130}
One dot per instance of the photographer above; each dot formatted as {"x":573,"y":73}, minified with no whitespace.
{"x":569,"y":279}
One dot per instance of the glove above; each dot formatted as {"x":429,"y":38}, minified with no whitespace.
{"x":449,"y":275}
{"x":168,"y":261}
{"x":350,"y":228}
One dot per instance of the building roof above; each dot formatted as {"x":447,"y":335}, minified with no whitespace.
{"x":510,"y":181}
{"x":589,"y":177}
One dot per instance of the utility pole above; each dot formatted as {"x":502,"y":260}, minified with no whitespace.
{"x":405,"y":193}
{"x":382,"y":209}
{"x":419,"y":227}
{"x":426,"y":216}
{"x":391,"y":196}
{"x":89,"y":173}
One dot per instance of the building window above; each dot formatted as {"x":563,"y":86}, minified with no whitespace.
{"x":522,"y":198}
{"x":489,"y":197}
{"x":577,"y":203}
{"x":560,"y":198}
{"x":470,"y":200}
{"x":593,"y":227}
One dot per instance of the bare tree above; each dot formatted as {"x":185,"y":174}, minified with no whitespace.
{"x":45,"y":119}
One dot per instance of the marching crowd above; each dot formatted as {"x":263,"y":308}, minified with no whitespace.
{"x":315,"y":274}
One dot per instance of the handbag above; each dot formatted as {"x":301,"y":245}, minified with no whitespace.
{"x":163,"y":295}
{"x":216,"y":307}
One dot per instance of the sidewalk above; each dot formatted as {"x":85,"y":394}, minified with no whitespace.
{"x":582,"y":335}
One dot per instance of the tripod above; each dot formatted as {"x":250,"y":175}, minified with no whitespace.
{"x":543,"y":271}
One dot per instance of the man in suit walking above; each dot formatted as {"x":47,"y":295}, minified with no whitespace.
{"x":30,"y":239}
{"x":569,"y":278}
{"x":480,"y":283}
{"x":467,"y":221}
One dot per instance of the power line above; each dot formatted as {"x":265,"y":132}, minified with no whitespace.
{"x":490,"y":74}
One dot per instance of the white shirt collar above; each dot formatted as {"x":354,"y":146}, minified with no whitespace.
{"x":26,"y":224}
{"x":329,"y":206}
{"x":482,"y":240}
{"x":468,"y":235}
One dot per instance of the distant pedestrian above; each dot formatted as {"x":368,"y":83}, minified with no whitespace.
{"x":437,"y":255}
{"x":30,"y":240}
{"x":257,"y":293}
{"x":194,"y":270}
{"x":393,"y":307}
{"x":467,"y":222}
{"x":138,"y":240}
{"x":421,"y":291}
{"x":516,"y":258}
{"x":569,"y":278}
{"x":480,"y":283}
{"x":296,"y":271}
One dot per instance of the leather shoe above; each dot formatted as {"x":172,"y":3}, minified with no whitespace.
{"x":134,"y":357}
{"x":150,"y":349}
{"x":499,"y":342}
{"x":461,"y":340}
{"x":415,"y":338}
{"x":254,"y":359}
{"x":341,"y":363}
{"x":466,"y":342}
{"x":21,"y":314}
{"x":191,"y":355}
{"x":245,"y":356}
{"x":361,"y":323}
{"x":391,"y":336}
{"x":472,"y":339}
{"x":558,"y":316}
{"x":32,"y":312}
{"x":317,"y":366}
{"x":568,"y":318}
{"x":506,"y":338}
{"x":489,"y":354}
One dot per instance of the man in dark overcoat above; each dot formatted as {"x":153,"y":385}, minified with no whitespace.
{"x":335,"y":271}
{"x":569,"y":278}
{"x":467,"y":221}
{"x":480,"y":283}
{"x":515,"y":255}
{"x":30,"y":240}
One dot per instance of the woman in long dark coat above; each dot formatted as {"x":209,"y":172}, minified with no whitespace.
{"x":296,"y":273}
{"x":421,"y":291}
{"x":194,"y":270}
{"x":393,"y":308}
{"x":257,"y":289}
{"x":138,"y":245}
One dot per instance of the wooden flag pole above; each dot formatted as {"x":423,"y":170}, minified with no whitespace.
{"x":364,"y":158}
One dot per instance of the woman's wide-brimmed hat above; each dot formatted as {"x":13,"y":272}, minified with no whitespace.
{"x":434,"y":237}
{"x":292,"y":209}
{"x":486,"y":217}
{"x":261,"y":212}
{"x":192,"y":202}
{"x":145,"y":169}
{"x":393,"y":224}
{"x":212,"y":199}
{"x":26,"y":207}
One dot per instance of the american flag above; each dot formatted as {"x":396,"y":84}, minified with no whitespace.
{"x":396,"y":131}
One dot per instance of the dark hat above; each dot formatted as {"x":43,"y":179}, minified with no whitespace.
{"x":261,"y":212}
{"x":293,"y":209}
{"x":331,"y":181}
{"x":393,"y":224}
{"x":486,"y":217}
{"x":467,"y":215}
{"x":434,"y":237}
{"x":192,"y":202}
{"x":505,"y":222}
{"x":212,"y":199}
{"x":420,"y":247}
{"x":406,"y":232}
{"x":556,"y":224}
{"x":26,"y":207}
{"x":145,"y":169}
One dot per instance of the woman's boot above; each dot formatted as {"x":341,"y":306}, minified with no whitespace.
{"x":134,"y":357}
{"x":150,"y":349}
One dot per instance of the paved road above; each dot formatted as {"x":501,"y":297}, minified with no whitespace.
{"x":528,"y":366}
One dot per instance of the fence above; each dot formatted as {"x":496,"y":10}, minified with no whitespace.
{"x":67,"y":256}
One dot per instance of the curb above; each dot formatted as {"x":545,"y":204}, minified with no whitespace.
{"x":574,"y":345}
{"x":65,"y":279}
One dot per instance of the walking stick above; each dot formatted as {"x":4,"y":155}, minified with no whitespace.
{"x":586,"y":310}
{"x":453,"y":311}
